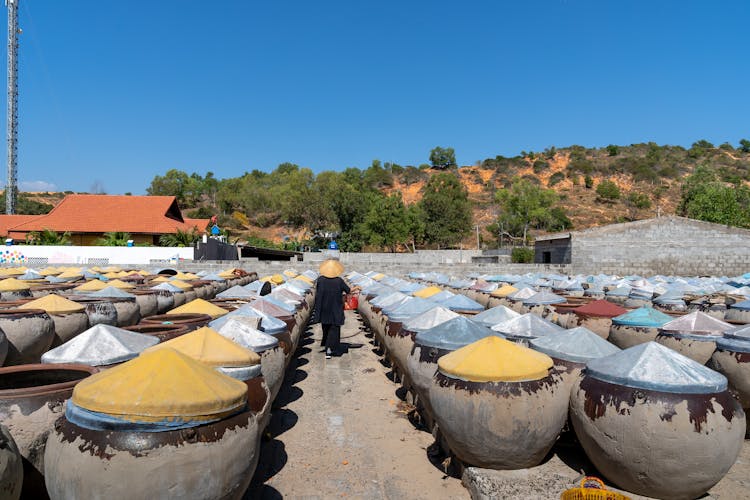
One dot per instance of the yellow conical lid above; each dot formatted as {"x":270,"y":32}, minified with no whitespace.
{"x":290,"y":274}
{"x":122,"y":285}
{"x":142,"y":272}
{"x":49,"y":271}
{"x":200,"y":306}
{"x":71,"y":273}
{"x":428,"y":292}
{"x":504,"y":291}
{"x":13,"y":285}
{"x":95,"y":269}
{"x":209,"y":347}
{"x":229,"y":273}
{"x":92,"y":286}
{"x":182,"y":276}
{"x":161,"y":384}
{"x":304,"y":278}
{"x":181,"y":284}
{"x":277,"y":279}
{"x":112,"y":269}
{"x":493,"y":359}
{"x":54,"y":304}
{"x":111,"y":275}
{"x":160,"y":279}
{"x":14,"y":271}
{"x":378,"y":276}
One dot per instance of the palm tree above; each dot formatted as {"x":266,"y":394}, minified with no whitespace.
{"x":48,"y":237}
{"x":180,"y":238}
{"x":114,"y":239}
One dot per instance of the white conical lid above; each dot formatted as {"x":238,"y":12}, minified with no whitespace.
{"x":100,"y":345}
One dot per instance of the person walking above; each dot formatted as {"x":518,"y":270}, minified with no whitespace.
{"x":329,"y":304}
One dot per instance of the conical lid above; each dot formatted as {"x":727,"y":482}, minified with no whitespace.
{"x":54,"y":304}
{"x":30,"y":275}
{"x":696,"y":323}
{"x":647,"y":317}
{"x":493,"y":359}
{"x":427,"y":292}
{"x":289,"y":308}
{"x":429,"y":319}
{"x":288,"y":292}
{"x":453,"y":334}
{"x":162,"y":384}
{"x":527,"y":326}
{"x":236,"y":292}
{"x":167,"y":287}
{"x":411,"y":309}
{"x":269,"y":308}
{"x":185,"y":276}
{"x":49,"y":271}
{"x":111,"y":292}
{"x":290,"y":273}
{"x":600,"y":309}
{"x":267,"y":323}
{"x":620,"y":291}
{"x":239,"y":330}
{"x":462,"y":303}
{"x":378,"y":276}
{"x":742,"y":306}
{"x":213,"y":277}
{"x":254,"y":286}
{"x":495,"y":316}
{"x":740,"y":333}
{"x":523,"y":294}
{"x":120,"y":284}
{"x":504,"y":291}
{"x":542,"y":298}
{"x":442,"y":296}
{"x":733,"y":345}
{"x":100,"y":345}
{"x":652,"y":366}
{"x":160,"y":279}
{"x":304,"y":278}
{"x":386,"y":299}
{"x":91,"y":286}
{"x":71,"y":273}
{"x":13,"y":285}
{"x":200,"y":306}
{"x":181,"y":284}
{"x":579,"y":345}
{"x":387,"y":309}
{"x":208,"y":346}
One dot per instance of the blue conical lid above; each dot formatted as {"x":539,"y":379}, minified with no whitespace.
{"x":742,"y":306}
{"x":733,"y":345}
{"x":410,"y":309}
{"x":429,"y":319}
{"x":396,"y":304}
{"x":644,"y":316}
{"x":387,"y":299}
{"x":212,"y":277}
{"x":236,"y":292}
{"x":441,"y":296}
{"x":578,"y":345}
{"x":740,"y":333}
{"x":253,"y":286}
{"x":620,"y":291}
{"x":453,"y":334}
{"x":111,"y":292}
{"x":527,"y":326}
{"x":169,"y":287}
{"x":652,"y":366}
{"x":544,"y":298}
{"x":462,"y":303}
{"x":495,"y":316}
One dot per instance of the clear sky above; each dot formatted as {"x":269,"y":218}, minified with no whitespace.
{"x":116,"y":92}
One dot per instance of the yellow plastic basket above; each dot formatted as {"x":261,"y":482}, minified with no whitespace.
{"x":592,"y":488}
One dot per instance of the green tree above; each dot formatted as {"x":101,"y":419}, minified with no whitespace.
{"x":442,"y":158}
{"x":524,"y":205}
{"x":181,"y":238}
{"x":25,"y":205}
{"x":608,"y":190}
{"x":48,"y":237}
{"x":588,"y":182}
{"x":744,"y":146}
{"x":446,"y":208}
{"x":114,"y":239}
{"x":705,"y":197}
{"x":613,"y":150}
{"x":387,"y":223}
{"x":173,"y":183}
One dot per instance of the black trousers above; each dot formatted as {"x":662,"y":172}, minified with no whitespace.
{"x":331,"y":336}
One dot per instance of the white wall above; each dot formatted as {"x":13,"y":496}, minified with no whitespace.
{"x":19,"y":254}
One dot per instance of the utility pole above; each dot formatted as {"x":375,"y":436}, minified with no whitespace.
{"x":477,"y":226}
{"x":11,"y":187}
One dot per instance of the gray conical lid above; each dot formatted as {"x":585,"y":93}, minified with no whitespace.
{"x":523,"y":293}
{"x":268,"y":323}
{"x":241,"y":372}
{"x":387,"y":299}
{"x":495,"y":316}
{"x":429,"y":319}
{"x":289,"y":293}
{"x":544,"y":298}
{"x":100,"y":345}
{"x":236,"y":292}
{"x":462,"y":303}
{"x":239,"y":329}
{"x":453,"y":334}
{"x":397,"y":304}
{"x":169,"y":287}
{"x":740,"y":333}
{"x":696,"y":323}
{"x":620,"y":291}
{"x":253,"y":286}
{"x":652,"y":366}
{"x":411,"y":309}
{"x":578,"y":345}
{"x":111,"y":292}
{"x":527,"y":326}
{"x":441,"y":296}
{"x":733,"y":345}
{"x":212,"y":277}
{"x":30,"y":274}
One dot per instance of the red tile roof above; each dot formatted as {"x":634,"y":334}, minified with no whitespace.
{"x":93,"y":213}
{"x":8,"y":221}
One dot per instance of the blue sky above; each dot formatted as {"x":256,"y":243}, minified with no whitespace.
{"x":117,"y":92}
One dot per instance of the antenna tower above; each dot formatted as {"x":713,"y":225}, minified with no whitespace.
{"x":11,"y":187}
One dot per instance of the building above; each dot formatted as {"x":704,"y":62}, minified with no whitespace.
{"x":88,"y":216}
{"x":664,"y":245}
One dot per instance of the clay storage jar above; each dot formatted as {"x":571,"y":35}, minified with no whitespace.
{"x":515,"y":300}
{"x":191,"y":321}
{"x":693,"y":335}
{"x":372,"y":294}
{"x":148,"y":302}
{"x":499,"y":405}
{"x":31,"y":399}
{"x":732,"y":359}
{"x":526,"y":327}
{"x":3,"y":347}
{"x":38,"y":291}
{"x":172,"y":427}
{"x":618,"y":294}
{"x":541,"y":303}
{"x":11,"y":466}
{"x":128,"y":312}
{"x":597,"y":316}
{"x":739,"y":312}
{"x":186,"y":288}
{"x":162,"y":332}
{"x":570,"y":350}
{"x":29,"y":333}
{"x":243,"y":331}
{"x":657,"y":423}
{"x":165,"y":297}
{"x":177,"y":294}
{"x":101,"y":346}
{"x":379,"y":319}
{"x":563,"y":314}
{"x":98,"y":311}
{"x":217,"y":283}
{"x":69,"y":317}
{"x":397,"y":342}
{"x":713,"y":306}
{"x":431,"y":345}
{"x":12,"y":289}
{"x":636,"y":327}
{"x":671,"y":301}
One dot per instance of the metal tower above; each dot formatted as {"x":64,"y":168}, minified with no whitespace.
{"x":11,"y":187}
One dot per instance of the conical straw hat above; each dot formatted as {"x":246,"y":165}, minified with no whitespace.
{"x":331,"y":268}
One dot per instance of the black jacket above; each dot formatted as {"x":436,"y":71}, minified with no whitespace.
{"x":329,"y":300}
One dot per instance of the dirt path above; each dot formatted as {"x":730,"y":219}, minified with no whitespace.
{"x":338,"y":432}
